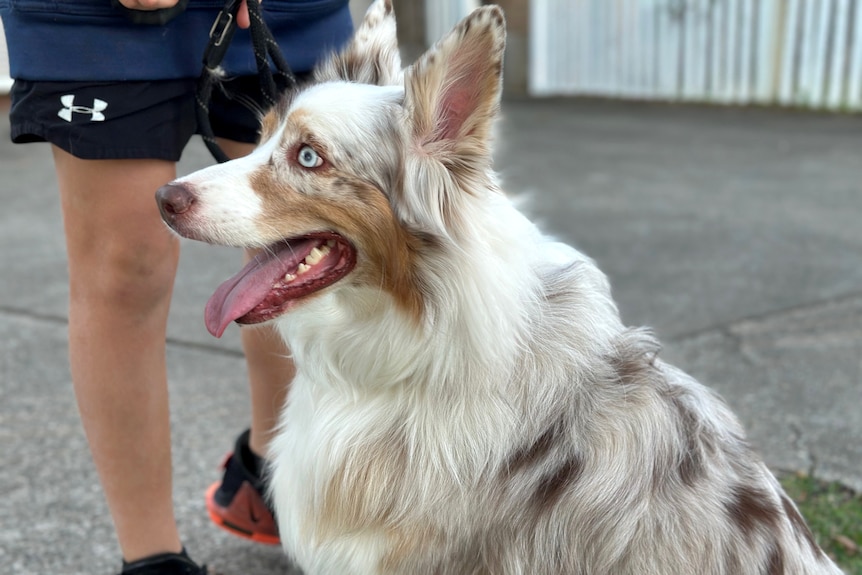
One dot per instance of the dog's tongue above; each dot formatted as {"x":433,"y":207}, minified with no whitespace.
{"x":240,"y":294}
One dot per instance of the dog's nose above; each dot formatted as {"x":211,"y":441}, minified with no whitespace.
{"x":174,"y":200}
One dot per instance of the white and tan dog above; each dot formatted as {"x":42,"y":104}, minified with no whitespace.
{"x":467,"y":399}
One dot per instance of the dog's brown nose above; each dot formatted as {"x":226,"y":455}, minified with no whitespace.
{"x":174,"y":200}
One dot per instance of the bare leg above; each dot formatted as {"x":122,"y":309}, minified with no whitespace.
{"x":122,"y":262}
{"x":270,"y":370}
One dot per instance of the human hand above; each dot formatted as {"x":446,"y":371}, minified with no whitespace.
{"x":242,"y":18}
{"x":148,"y":5}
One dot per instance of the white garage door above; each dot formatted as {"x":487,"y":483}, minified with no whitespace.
{"x":786,"y":52}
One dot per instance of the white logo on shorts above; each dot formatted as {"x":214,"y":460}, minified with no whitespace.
{"x":69,"y":108}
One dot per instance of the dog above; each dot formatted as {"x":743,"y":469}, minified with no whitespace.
{"x":467,"y":399}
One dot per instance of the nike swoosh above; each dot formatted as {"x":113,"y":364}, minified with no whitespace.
{"x":253,"y":515}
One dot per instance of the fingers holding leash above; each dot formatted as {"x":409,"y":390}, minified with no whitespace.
{"x":148,"y":5}
{"x":162,"y":11}
{"x":152,"y":12}
{"x":243,"y":20}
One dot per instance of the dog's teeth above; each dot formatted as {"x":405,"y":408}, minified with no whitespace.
{"x":314,"y":257}
{"x":302,"y":269}
{"x":330,"y":243}
{"x":289,"y":277}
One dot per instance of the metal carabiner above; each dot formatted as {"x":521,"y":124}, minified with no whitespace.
{"x":221,"y":34}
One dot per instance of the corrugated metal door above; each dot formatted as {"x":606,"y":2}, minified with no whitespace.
{"x":442,"y":15}
{"x":788,"y":52}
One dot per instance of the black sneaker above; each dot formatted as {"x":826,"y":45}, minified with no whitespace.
{"x":165,"y":564}
{"x":237,"y":503}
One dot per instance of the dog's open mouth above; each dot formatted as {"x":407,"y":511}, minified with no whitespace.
{"x":273,"y":281}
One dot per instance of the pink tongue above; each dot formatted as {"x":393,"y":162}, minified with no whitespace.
{"x":241,"y":293}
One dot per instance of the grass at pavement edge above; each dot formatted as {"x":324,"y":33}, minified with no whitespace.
{"x":834,"y":514}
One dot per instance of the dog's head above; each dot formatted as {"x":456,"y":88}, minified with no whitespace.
{"x":357,"y":174}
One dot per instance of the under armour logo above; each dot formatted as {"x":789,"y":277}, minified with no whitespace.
{"x":70,"y":108}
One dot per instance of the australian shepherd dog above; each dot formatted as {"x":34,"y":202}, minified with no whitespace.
{"x":467,"y":398}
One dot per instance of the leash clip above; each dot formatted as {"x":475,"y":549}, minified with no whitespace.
{"x":221,"y":33}
{"x":223,"y":22}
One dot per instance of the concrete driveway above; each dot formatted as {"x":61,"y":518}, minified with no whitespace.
{"x":736,"y":234}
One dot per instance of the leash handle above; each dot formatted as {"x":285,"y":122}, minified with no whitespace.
{"x":265,"y":49}
{"x":158,"y":17}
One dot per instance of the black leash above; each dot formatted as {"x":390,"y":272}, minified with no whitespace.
{"x":272,"y":83}
{"x":158,"y":17}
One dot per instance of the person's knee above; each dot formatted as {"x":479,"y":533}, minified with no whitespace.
{"x":130,"y":277}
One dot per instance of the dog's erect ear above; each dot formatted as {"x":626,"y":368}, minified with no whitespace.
{"x":372,"y":56}
{"x":452,"y":93}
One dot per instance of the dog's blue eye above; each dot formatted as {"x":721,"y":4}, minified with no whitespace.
{"x":308,"y":158}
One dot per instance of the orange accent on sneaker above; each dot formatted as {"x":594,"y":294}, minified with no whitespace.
{"x":247,"y":516}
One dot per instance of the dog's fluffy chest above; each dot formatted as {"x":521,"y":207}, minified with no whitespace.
{"x":342,"y":481}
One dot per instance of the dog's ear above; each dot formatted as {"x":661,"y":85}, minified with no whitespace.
{"x":452,"y":93}
{"x":371,"y":56}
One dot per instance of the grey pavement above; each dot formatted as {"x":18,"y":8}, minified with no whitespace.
{"x":736,"y":234}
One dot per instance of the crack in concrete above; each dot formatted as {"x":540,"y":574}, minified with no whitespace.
{"x":743,"y":351}
{"x":727,"y":327}
{"x":800,"y":447}
{"x":29,"y":314}
{"x":59,"y":320}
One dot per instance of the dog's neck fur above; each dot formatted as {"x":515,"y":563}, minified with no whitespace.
{"x":489,"y":305}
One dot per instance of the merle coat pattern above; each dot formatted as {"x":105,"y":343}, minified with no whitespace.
{"x":467,"y":400}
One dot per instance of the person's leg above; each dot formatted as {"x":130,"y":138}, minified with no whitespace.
{"x":270,"y":369}
{"x":122,"y":261}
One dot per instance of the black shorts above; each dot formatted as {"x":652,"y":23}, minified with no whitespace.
{"x":130,"y":120}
